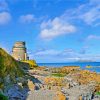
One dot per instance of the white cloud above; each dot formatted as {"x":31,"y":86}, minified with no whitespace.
{"x":56,"y":27}
{"x":27,"y":18}
{"x":91,"y":16}
{"x":88,"y":13}
{"x":5,"y":18}
{"x":53,"y":52}
{"x":49,"y":52}
{"x":93,"y":37}
{"x":53,"y":55}
{"x":62,"y":25}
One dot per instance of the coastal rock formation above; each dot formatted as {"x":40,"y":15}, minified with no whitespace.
{"x":78,"y":92}
{"x":41,"y":83}
{"x":60,"y":96}
{"x":65,"y":69}
{"x":45,"y":95}
{"x":31,"y":86}
{"x":85,"y":76}
{"x":14,"y":81}
{"x":74,"y":85}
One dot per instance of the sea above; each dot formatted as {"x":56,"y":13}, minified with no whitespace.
{"x":95,"y":65}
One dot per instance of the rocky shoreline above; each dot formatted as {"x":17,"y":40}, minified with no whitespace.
{"x":19,"y":82}
{"x":42,"y":85}
{"x":70,"y":87}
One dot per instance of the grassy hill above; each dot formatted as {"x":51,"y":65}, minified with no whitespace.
{"x":14,"y":76}
{"x":9,"y":68}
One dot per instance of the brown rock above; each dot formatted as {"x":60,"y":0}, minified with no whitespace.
{"x":31,"y":85}
{"x":60,"y":96}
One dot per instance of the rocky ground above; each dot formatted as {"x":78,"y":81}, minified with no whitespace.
{"x":18,"y":82}
{"x":42,"y":84}
{"x":69,"y":88}
{"x":41,"y":95}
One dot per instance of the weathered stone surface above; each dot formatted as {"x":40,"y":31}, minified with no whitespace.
{"x":60,"y":96}
{"x":41,"y":95}
{"x":45,"y":95}
{"x":20,"y":84}
{"x":7,"y":79}
{"x":31,"y":85}
{"x":19,"y":51}
{"x":15,"y":93}
{"x":86,"y":91}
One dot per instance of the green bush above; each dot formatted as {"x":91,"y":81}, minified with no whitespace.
{"x":8,"y":65}
{"x":97,"y":93}
{"x":2,"y":97}
{"x":58,"y":74}
{"x":32,"y":63}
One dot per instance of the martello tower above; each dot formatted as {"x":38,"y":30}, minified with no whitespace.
{"x":19,"y":51}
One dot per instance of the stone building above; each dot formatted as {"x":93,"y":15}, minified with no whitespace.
{"x":19,"y":51}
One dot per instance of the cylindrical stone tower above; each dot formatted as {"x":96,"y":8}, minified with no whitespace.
{"x":19,"y":51}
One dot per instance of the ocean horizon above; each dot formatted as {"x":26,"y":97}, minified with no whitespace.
{"x":95,"y":65}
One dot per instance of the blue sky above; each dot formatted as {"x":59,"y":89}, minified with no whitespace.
{"x":54,"y":30}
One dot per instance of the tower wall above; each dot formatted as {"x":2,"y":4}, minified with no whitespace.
{"x":19,"y":51}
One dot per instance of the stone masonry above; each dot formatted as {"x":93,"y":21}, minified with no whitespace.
{"x":19,"y":51}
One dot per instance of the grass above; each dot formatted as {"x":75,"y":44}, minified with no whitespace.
{"x":97,"y":93}
{"x":32,"y":63}
{"x":58,"y":74}
{"x":2,"y":97}
{"x":9,"y":66}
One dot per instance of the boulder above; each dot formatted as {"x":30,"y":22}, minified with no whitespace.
{"x":31,"y":85}
{"x":14,"y":93}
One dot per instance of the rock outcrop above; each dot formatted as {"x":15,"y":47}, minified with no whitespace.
{"x":14,"y":81}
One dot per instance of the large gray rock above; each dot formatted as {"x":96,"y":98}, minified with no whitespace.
{"x":86,"y":91}
{"x":15,"y":93}
{"x":41,"y":95}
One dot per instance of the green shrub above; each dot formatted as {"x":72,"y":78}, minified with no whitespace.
{"x":32,"y":63}
{"x":58,"y":74}
{"x":97,"y":93}
{"x":2,"y":97}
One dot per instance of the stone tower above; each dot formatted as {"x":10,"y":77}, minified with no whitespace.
{"x":19,"y":51}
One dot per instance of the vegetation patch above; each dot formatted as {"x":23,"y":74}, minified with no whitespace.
{"x":58,"y":74}
{"x":32,"y":63}
{"x":8,"y":65}
{"x":2,"y":97}
{"x":97,"y":93}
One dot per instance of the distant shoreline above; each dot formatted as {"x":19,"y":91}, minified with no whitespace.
{"x":95,"y":65}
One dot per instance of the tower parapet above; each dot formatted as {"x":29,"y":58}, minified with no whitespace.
{"x":19,"y":51}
